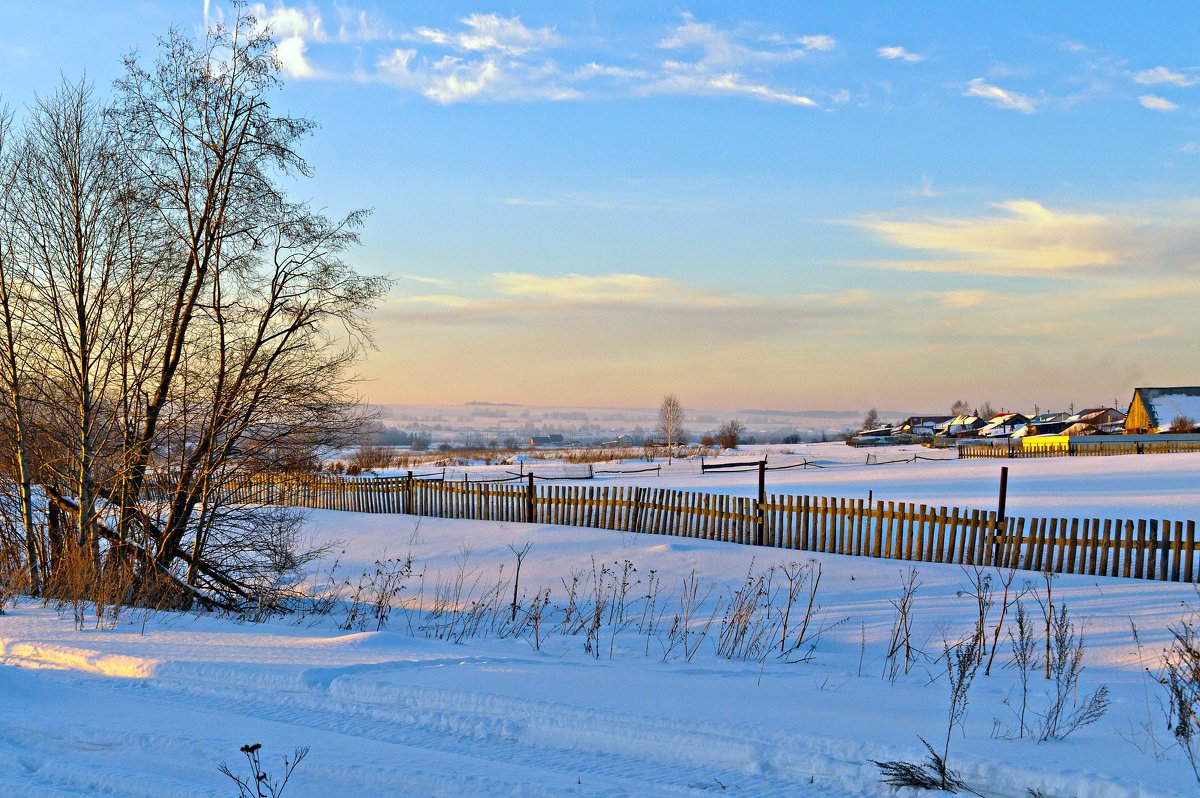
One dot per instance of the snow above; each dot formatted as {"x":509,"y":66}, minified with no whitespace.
{"x":152,"y":705}
{"x":1169,"y":407}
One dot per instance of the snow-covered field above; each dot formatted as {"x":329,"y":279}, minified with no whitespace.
{"x":152,"y":706}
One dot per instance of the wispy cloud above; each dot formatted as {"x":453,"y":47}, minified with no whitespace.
{"x":1025,"y":238}
{"x":490,"y":57}
{"x":1119,"y":245}
{"x":425,"y":279}
{"x":515,"y":296}
{"x":593,"y":69}
{"x":958,"y":299}
{"x":926,"y":189}
{"x":722,"y":58}
{"x":450,"y":79}
{"x":1160,"y":75}
{"x":589,"y":289}
{"x":491,"y":33}
{"x":1156,"y":103}
{"x":899,"y":54}
{"x":1000,"y":98}
{"x":819,"y":42}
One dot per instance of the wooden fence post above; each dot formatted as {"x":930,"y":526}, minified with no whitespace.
{"x":762,"y":502}
{"x":530,"y":502}
{"x":1001,"y":527}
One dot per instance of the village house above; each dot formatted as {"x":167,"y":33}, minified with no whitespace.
{"x":1003,"y":425}
{"x":1156,"y":409}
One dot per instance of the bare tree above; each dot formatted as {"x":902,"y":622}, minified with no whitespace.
{"x":960,"y":408}
{"x":179,"y":318}
{"x":72,"y":235}
{"x":14,"y":305}
{"x":670,"y":423}
{"x":871,"y":421}
{"x":729,"y":433}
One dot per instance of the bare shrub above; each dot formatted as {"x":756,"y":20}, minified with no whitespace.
{"x":267,"y":552}
{"x":682,"y":637}
{"x":258,"y":783}
{"x":799,"y":577}
{"x":728,"y":434}
{"x":375,"y":595}
{"x":745,"y":628}
{"x":12,"y":575}
{"x":932,"y":774}
{"x":1024,"y":647}
{"x":520,"y":554}
{"x":370,"y":457}
{"x":981,"y":592}
{"x":962,"y":663}
{"x":1007,"y":600}
{"x":1066,"y":711}
{"x":901,"y":651}
{"x":1182,"y":424}
{"x":1180,"y":676}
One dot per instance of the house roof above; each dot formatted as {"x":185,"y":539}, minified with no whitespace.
{"x":919,"y":420}
{"x":1164,"y":405}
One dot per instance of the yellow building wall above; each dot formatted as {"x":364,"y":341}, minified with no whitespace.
{"x":1138,"y":420}
{"x":1041,"y":442}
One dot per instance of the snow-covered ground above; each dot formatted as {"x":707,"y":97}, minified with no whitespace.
{"x":153,"y":705}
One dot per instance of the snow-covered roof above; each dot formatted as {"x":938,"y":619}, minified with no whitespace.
{"x":1164,"y":405}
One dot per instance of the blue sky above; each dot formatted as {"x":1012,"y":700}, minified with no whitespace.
{"x":786,"y":205}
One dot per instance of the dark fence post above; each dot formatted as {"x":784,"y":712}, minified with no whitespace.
{"x":408,"y":494}
{"x":1000,"y":524}
{"x":637,"y":510}
{"x":530,"y":499}
{"x":762,"y":502}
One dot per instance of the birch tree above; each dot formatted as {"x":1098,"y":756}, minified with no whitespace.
{"x":187,"y":320}
{"x":670,"y":422}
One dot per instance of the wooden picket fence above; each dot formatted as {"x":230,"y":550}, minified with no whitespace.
{"x":1103,"y":449}
{"x":1140,"y":548}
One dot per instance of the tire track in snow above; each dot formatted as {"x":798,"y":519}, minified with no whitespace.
{"x":637,"y":754}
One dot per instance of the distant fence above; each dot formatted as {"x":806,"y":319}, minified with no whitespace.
{"x":1139,"y":548}
{"x":1079,"y":445}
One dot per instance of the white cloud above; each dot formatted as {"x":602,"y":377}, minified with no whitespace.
{"x":425,"y":280}
{"x":734,"y":84}
{"x":492,"y":57}
{"x":287,"y":21}
{"x":450,"y":79}
{"x":290,"y":52}
{"x":587,"y":288}
{"x":1001,"y":98}
{"x":294,"y":28}
{"x":1156,"y":103}
{"x":595,"y":70}
{"x":491,"y":33}
{"x":819,"y":42}
{"x":1160,"y":75}
{"x":721,"y":49}
{"x":723,"y":55}
{"x":899,"y":54}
